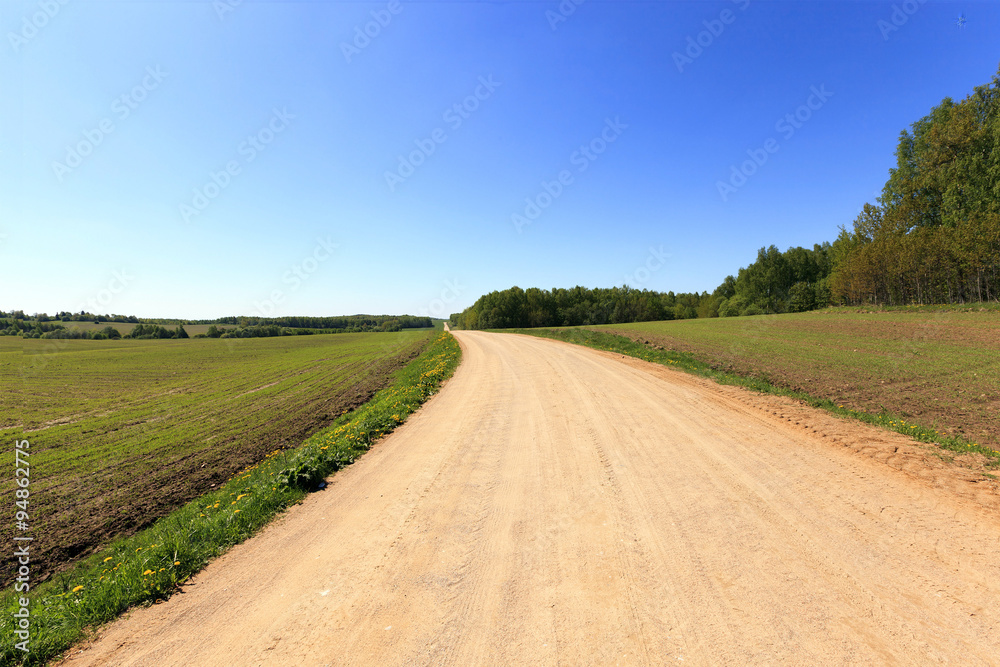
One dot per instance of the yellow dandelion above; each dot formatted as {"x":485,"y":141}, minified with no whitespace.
{"x":108,"y":558}
{"x":147,"y":572}
{"x":177,"y":562}
{"x":78,"y":589}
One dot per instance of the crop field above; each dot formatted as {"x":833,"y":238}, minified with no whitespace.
{"x":123,"y":432}
{"x":940,"y":370}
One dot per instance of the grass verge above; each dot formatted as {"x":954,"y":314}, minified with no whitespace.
{"x":689,"y":363}
{"x":150,"y":565}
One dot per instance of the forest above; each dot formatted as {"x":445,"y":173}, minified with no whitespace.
{"x":932,"y":237}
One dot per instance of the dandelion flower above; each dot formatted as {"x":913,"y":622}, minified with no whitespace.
{"x":147,"y":572}
{"x":78,"y":589}
{"x":108,"y":558}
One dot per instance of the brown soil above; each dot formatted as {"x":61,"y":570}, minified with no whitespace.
{"x":86,"y":523}
{"x":951,"y":401}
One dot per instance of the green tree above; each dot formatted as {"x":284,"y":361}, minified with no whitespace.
{"x":801,"y":297}
{"x":111,"y":333}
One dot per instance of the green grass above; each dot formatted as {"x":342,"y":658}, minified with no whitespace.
{"x":124,"y":432}
{"x":777,"y":354}
{"x":150,"y":565}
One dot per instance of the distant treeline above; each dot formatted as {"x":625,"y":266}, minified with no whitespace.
{"x":353,"y":323}
{"x":932,"y":237}
{"x":82,"y":316}
{"x":149,"y":331}
{"x":792,"y":281}
{"x":16,"y":323}
{"x":50,"y":330}
{"x":515,"y":307}
{"x":259,"y":331}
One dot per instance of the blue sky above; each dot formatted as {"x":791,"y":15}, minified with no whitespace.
{"x":198,"y":159}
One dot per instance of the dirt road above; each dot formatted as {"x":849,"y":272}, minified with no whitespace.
{"x":556,"y":505}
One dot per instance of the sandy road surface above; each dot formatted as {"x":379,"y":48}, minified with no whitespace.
{"x":555,"y":505}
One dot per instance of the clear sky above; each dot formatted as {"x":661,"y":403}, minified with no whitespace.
{"x":196,"y":159}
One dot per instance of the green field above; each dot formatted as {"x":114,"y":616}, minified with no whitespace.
{"x":936,"y":368}
{"x":123,"y":432}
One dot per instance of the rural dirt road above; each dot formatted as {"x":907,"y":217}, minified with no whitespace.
{"x":556,"y":505}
